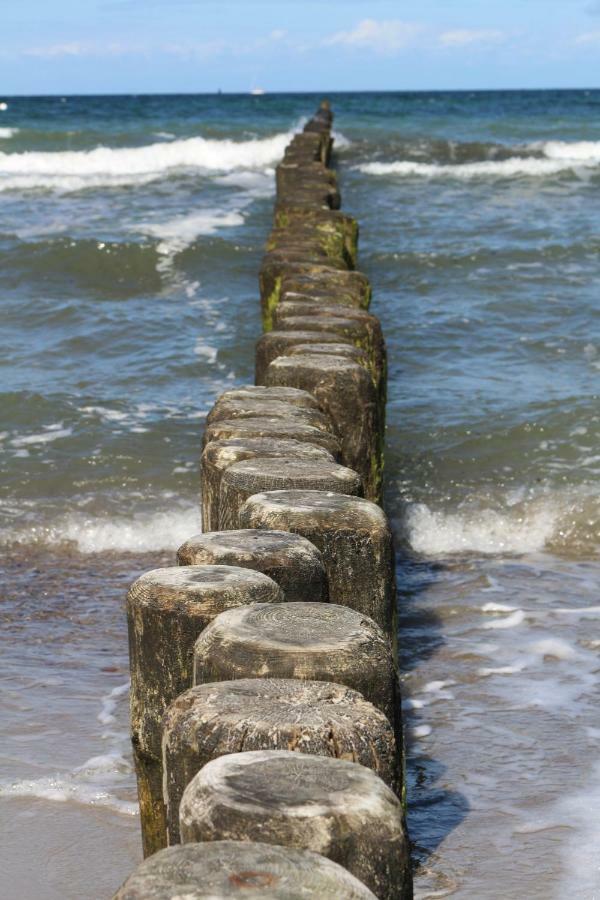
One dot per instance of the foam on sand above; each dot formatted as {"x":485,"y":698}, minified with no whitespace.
{"x":99,"y":780}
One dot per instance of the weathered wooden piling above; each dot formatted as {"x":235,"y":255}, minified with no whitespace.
{"x":254,"y":408}
{"x":233,"y":869}
{"x":352,"y":534}
{"x":251,"y":476}
{"x":217,"y":456}
{"x":314,"y":717}
{"x":166,"y":611}
{"x":278,"y":275}
{"x":273,"y":428}
{"x":289,"y":559}
{"x":282,"y":613}
{"x":355,"y":326}
{"x":256,"y":392}
{"x":279,"y":343}
{"x":347,"y":392}
{"x":313,"y":641}
{"x":337,"y":808}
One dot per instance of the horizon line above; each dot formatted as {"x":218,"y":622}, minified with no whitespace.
{"x":274,"y":93}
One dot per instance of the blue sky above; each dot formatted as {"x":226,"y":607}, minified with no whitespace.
{"x":112,"y":46}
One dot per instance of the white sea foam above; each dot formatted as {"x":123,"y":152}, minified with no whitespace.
{"x":45,"y":437}
{"x":483,"y":531}
{"x":515,"y":618}
{"x":564,"y":521}
{"x":178,"y":233}
{"x":98,"y":781}
{"x":106,"y":716}
{"x":205,"y":351}
{"x":557,"y":157}
{"x":497,"y":608}
{"x":340,"y":140}
{"x":553,"y":648}
{"x":587,"y":151}
{"x":143,"y":532}
{"x":255,"y":184}
{"x":6,"y":133}
{"x":72,"y":170}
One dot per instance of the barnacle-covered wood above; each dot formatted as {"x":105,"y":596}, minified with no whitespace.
{"x":315,"y":717}
{"x":272,"y":427}
{"x":347,"y":393}
{"x":166,"y":611}
{"x":251,"y":476}
{"x":219,"y":455}
{"x":219,"y":870}
{"x":337,"y":808}
{"x":314,"y":641}
{"x":289,"y":559}
{"x":354,"y":537}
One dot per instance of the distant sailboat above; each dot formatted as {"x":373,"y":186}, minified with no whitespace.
{"x":257,"y":92}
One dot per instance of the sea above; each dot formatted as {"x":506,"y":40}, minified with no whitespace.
{"x":131,"y":233}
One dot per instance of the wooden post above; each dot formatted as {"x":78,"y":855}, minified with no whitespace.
{"x":244,"y":870}
{"x":315,"y":717}
{"x":285,"y":395}
{"x":352,"y":534}
{"x":217,"y":456}
{"x":315,"y":641}
{"x":252,"y":408}
{"x":280,"y":342}
{"x":289,"y":559}
{"x":251,"y":476}
{"x":166,"y":611}
{"x":337,"y":808}
{"x":273,"y":428}
{"x":342,"y":388}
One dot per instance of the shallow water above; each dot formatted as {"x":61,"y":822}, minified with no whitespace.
{"x":128,"y":298}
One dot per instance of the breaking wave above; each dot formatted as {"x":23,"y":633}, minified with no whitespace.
{"x":105,"y":167}
{"x":540,"y":159}
{"x":566,"y":523}
{"x":140,"y":533}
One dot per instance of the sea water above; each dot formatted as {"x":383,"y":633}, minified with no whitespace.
{"x":131,"y":232}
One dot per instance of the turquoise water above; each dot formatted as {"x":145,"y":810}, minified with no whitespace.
{"x":131,"y":231}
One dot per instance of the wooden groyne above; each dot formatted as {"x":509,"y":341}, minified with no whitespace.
{"x":265,"y":702}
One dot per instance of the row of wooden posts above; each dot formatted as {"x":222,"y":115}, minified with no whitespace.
{"x":265,"y":705}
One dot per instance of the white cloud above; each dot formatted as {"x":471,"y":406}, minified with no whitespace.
{"x":588,"y":37}
{"x":55,"y":50}
{"x":385,"y":36}
{"x":462,"y":37}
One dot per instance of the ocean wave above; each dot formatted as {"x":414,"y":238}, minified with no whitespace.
{"x":566,"y":523}
{"x":7,"y":133}
{"x":141,"y":533}
{"x":536,"y":160}
{"x":72,"y":170}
